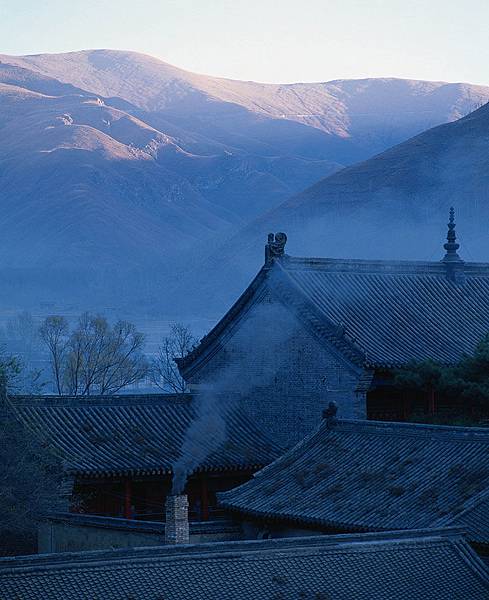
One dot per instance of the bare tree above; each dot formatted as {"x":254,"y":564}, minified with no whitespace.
{"x":95,"y":358}
{"x":86,"y":348}
{"x":123,"y":362}
{"x":164,"y":371}
{"x":30,"y":473}
{"x":54,"y":333}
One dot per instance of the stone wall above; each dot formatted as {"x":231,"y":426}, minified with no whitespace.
{"x":73,"y":533}
{"x":283,"y":374}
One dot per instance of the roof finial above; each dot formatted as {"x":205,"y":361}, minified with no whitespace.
{"x":275,"y":247}
{"x":329,"y":414}
{"x":451,"y":245}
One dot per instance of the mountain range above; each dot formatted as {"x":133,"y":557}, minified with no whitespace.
{"x":392,"y":206}
{"x":119,"y":172}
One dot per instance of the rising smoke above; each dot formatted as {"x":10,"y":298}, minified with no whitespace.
{"x":206,"y":433}
{"x":254,"y":355}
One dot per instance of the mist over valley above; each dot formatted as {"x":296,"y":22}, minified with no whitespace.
{"x":127,"y":183}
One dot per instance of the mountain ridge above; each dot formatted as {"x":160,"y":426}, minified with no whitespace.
{"x":392,"y":206}
{"x":120,"y":162}
{"x":95,"y":62}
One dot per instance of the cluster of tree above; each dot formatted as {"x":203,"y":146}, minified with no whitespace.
{"x":30,"y":472}
{"x":91,"y":357}
{"x":94,"y":357}
{"x":98,"y":358}
{"x":467,"y":380}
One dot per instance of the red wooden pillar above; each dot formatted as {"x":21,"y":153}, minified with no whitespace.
{"x":127,"y":499}
{"x":204,"y":498}
{"x":405,"y":406}
{"x":431,"y":402}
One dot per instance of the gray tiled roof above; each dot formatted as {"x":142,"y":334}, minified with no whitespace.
{"x":393,"y":312}
{"x":137,"y":434}
{"x":475,"y":519}
{"x":431,"y":565}
{"x":378,"y":313}
{"x":367,"y":475}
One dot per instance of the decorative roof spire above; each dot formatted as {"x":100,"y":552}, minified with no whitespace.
{"x":454,"y":264}
{"x":451,"y":246}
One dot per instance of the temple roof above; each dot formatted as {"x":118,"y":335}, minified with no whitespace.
{"x":140,"y":434}
{"x":368,"y":475}
{"x":376,"y":313}
{"x":427,"y":565}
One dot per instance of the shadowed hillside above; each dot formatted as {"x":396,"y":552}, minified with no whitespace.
{"x":119,"y":172}
{"x":394,"y":205}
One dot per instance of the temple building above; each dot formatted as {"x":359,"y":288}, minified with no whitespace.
{"x":308,"y":331}
{"x":363,"y":506}
{"x":119,"y":452}
{"x":354,"y":475}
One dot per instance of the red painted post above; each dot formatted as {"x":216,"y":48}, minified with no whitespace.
{"x":432,"y":405}
{"x":405,"y":407}
{"x":127,"y":499}
{"x":204,"y":500}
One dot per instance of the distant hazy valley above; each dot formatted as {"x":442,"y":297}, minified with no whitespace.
{"x":125,"y":181}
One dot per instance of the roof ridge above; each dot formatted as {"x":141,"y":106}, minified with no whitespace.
{"x":435,"y":266}
{"x":327,"y":542}
{"x":470,"y":505}
{"x":221,"y":325}
{"x":42,"y":401}
{"x":385,"y":425}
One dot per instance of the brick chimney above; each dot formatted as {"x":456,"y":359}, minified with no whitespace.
{"x":176,"y":528}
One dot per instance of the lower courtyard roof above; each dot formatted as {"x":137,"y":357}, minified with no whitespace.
{"x":427,"y":565}
{"x":368,"y":475}
{"x":141,"y":434}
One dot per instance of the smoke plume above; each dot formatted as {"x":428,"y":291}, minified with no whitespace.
{"x":254,"y":355}
{"x":205,"y":435}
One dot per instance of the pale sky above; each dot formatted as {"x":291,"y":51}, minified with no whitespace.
{"x":267,"y":40}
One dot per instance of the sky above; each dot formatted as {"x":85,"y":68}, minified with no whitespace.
{"x":267,"y":40}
